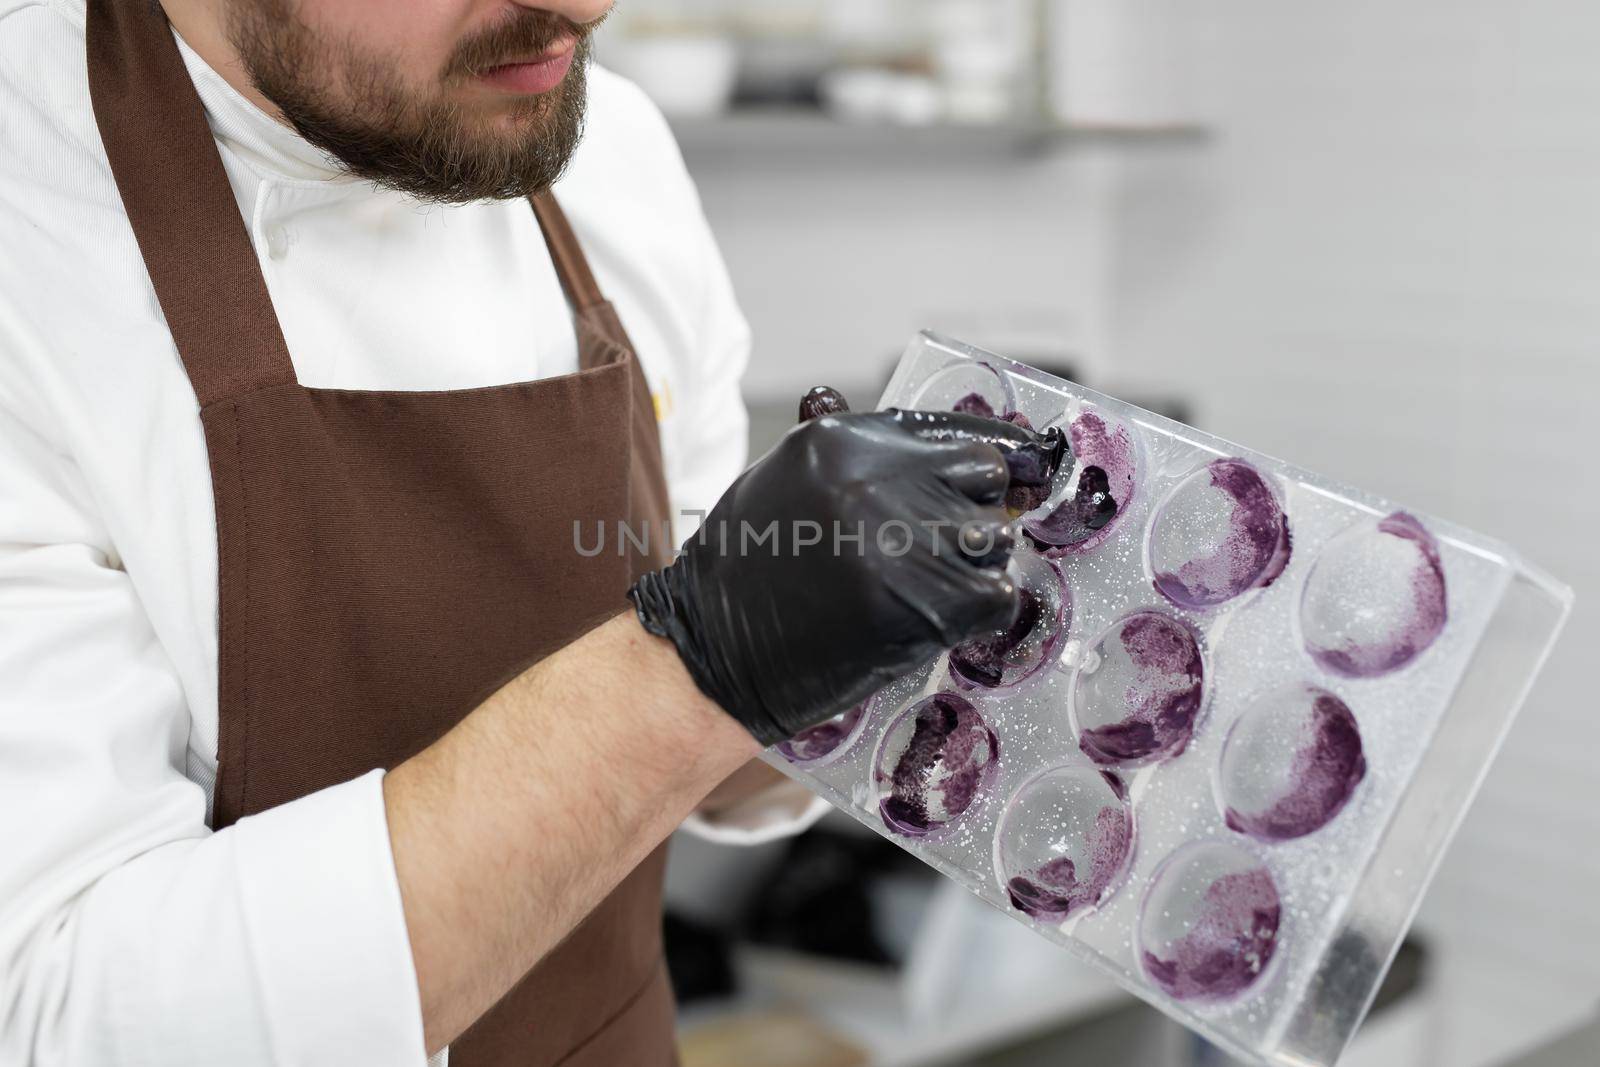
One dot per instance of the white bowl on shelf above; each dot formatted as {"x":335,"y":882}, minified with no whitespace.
{"x":687,"y":75}
{"x":870,"y":95}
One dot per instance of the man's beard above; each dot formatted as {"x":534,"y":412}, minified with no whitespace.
{"x":354,"y":106}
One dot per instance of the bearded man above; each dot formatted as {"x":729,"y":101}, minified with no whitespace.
{"x":326,"y":328}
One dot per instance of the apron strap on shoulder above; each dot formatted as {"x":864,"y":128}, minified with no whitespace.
{"x":572,"y":266}
{"x":178,"y":200}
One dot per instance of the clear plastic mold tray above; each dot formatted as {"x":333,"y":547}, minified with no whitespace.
{"x":1222,"y":752}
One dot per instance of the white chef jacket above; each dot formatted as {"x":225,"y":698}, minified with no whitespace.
{"x":130,"y":933}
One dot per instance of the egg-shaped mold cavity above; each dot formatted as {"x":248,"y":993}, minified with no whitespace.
{"x":1138,"y":690}
{"x":1289,"y":764}
{"x":1220,"y":533}
{"x":1095,"y":493}
{"x":934,"y":764}
{"x":968,"y":386}
{"x":1065,"y":842}
{"x":827,"y":741}
{"x":1008,"y":657}
{"x":1208,"y":926}
{"x":1375,"y":598}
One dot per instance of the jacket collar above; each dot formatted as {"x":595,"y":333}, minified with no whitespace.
{"x":267,"y":146}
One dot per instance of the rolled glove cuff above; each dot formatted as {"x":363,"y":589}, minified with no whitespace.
{"x":665,"y":614}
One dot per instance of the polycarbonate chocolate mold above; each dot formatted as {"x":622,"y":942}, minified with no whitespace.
{"x":1375,"y":599}
{"x":1138,"y":690}
{"x":1011,"y":656}
{"x":1098,"y":489}
{"x":826,"y":742}
{"x":934,"y":764}
{"x":1064,"y":843}
{"x":1290,"y":764}
{"x":1323,"y":710}
{"x":1221,"y":533}
{"x":1208,"y":927}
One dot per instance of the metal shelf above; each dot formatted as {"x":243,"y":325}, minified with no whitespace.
{"x":789,"y":135}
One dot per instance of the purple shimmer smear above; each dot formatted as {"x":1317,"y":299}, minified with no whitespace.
{"x":981,"y":664}
{"x":1252,"y":556}
{"x":949,"y":737}
{"x":1162,"y":701}
{"x":1030,"y":475}
{"x":1053,"y":891}
{"x":1327,"y":767}
{"x":1228,"y":946}
{"x":1105,"y":486}
{"x":1030,"y":482}
{"x":974,"y":404}
{"x":821,"y":740}
{"x":1428,"y":616}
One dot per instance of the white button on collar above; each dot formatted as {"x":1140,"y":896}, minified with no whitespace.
{"x":277,"y":241}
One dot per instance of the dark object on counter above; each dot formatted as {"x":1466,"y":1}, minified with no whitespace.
{"x":819,"y":899}
{"x":699,"y":959}
{"x":788,"y":631}
{"x":1406,"y":975}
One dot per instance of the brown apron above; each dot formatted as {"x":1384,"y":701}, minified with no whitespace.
{"x":387,"y":560}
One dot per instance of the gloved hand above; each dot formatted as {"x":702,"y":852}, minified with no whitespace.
{"x":853,"y":552}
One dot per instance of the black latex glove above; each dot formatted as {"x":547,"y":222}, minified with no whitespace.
{"x":783,"y":634}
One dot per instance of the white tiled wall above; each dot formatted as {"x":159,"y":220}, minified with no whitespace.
{"x":1388,"y":269}
{"x":838,"y":262}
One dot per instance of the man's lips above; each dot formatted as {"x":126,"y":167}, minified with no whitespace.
{"x":533,"y":76}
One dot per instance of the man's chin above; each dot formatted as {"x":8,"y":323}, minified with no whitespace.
{"x":446,"y":152}
{"x":456,"y":144}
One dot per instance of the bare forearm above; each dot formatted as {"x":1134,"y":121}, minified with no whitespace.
{"x":509,"y":828}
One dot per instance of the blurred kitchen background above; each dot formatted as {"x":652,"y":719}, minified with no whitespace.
{"x":1363,"y":236}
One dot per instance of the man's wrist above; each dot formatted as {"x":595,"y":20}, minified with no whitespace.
{"x":670,"y":690}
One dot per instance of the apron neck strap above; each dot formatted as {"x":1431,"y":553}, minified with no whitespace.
{"x":179,"y":202}
{"x":185,"y":218}
{"x":572,"y":266}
